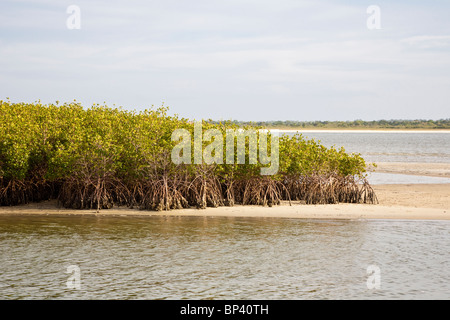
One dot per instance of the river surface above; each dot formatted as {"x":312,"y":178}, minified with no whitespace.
{"x":73,"y":257}
{"x":389,"y":146}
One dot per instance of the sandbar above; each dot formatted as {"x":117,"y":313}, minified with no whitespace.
{"x":412,"y":201}
{"x":415,"y":168}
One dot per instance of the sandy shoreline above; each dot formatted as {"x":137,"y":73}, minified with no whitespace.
{"x":421,"y":202}
{"x":396,"y":201}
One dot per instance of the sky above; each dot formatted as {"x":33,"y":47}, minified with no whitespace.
{"x":251,"y":60}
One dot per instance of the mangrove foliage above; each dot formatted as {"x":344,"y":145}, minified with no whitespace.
{"x":100,"y":157}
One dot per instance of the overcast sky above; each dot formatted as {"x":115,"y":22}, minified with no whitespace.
{"x":232,"y":59}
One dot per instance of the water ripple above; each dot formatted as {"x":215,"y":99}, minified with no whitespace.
{"x":222,"y":258}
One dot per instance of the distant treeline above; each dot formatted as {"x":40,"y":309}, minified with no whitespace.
{"x":356,"y":124}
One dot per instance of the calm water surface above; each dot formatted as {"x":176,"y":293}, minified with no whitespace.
{"x":424,"y":147}
{"x":390,"y":146}
{"x":222,"y":258}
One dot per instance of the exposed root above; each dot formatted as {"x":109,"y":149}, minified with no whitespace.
{"x":200,"y":190}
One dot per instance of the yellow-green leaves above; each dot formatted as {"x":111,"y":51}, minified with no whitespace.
{"x":58,"y":142}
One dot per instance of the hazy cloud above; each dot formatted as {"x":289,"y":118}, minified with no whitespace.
{"x":243,"y":59}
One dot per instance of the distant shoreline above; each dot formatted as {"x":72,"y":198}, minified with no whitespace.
{"x":362,"y":130}
{"x":393,"y":124}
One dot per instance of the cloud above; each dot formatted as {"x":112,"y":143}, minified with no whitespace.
{"x":226,"y":58}
{"x":428,"y":41}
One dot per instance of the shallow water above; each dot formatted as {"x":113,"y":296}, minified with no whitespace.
{"x":222,"y":258}
{"x":390,"y":146}
{"x":423,"y":147}
{"x":395,"y":178}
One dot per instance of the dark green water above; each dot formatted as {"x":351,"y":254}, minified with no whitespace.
{"x":222,"y":258}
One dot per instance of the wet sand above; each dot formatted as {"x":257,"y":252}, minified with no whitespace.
{"x":415,"y":168}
